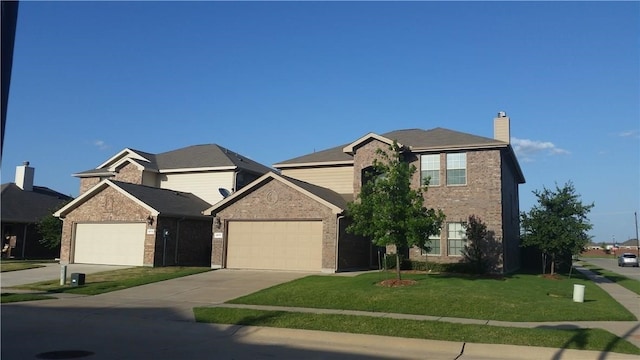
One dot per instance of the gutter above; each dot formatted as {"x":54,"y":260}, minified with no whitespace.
{"x":338,"y":238}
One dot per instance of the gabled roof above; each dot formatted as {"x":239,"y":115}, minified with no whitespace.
{"x":191,"y":158}
{"x":19,"y":206}
{"x":333,"y":155}
{"x":162,"y":202}
{"x":414,"y":139}
{"x":336,"y":202}
{"x":440,"y":139}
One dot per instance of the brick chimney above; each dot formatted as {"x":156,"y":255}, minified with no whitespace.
{"x":24,"y":176}
{"x":501,"y":128}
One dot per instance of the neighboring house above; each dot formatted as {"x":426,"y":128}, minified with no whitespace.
{"x":295,"y":220}
{"x":145,"y":209}
{"x":23,"y":206}
{"x":631,"y":244}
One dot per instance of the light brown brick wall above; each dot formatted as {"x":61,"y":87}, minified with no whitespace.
{"x":88,"y":183}
{"x":363,"y":158}
{"x":288,"y":205}
{"x":130,"y":174}
{"x":483,"y":196}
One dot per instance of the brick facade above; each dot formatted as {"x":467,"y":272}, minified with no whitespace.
{"x":111,"y":206}
{"x":289,"y":204}
{"x":491,"y":193}
{"x":276,"y":200}
{"x":88,"y":183}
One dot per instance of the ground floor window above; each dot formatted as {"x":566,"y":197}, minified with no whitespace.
{"x":456,"y":239}
{"x":434,"y":243}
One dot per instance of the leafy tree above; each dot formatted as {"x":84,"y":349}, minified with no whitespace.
{"x":50,"y":228}
{"x":388,"y":210}
{"x":482,"y":251}
{"x":557,"y":225}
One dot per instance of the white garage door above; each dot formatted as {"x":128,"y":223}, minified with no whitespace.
{"x":275,"y":245}
{"x":110,"y":244}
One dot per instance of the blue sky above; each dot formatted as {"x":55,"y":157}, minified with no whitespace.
{"x":276,"y":80}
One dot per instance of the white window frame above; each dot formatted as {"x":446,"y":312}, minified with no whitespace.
{"x":430,"y":163}
{"x":435,"y":239}
{"x":456,"y":232}
{"x":455,"y":162}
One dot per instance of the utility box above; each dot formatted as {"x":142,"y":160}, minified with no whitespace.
{"x":77,"y":279}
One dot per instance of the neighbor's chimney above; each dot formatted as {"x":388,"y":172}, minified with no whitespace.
{"x":501,"y":129}
{"x":24,"y":176}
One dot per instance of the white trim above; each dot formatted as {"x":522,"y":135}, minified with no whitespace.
{"x":131,"y":154}
{"x":349,"y":148}
{"x":93,"y":174}
{"x":458,"y":147}
{"x":264,"y":178}
{"x":96,"y":189}
{"x":202,"y":169}
{"x":123,"y":161}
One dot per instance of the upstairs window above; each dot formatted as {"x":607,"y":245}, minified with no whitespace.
{"x":430,"y":169}
{"x":457,"y":169}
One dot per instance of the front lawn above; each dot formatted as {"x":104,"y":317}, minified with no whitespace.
{"x":581,"y":339}
{"x":15,"y":265}
{"x":520,"y":297}
{"x":108,"y":281}
{"x":11,"y":297}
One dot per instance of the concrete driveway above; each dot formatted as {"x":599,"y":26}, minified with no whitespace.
{"x":50,"y":271}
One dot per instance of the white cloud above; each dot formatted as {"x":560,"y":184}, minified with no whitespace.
{"x":100,"y":144}
{"x":630,"y":134}
{"x":528,"y":148}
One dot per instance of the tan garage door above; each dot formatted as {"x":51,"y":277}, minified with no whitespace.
{"x":110,"y":244}
{"x":275,"y":245}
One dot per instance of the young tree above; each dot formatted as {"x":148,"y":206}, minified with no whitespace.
{"x":50,"y":228}
{"x":482,"y":251}
{"x":388,"y":210}
{"x":558,"y":224}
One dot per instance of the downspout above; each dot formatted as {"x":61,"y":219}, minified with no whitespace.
{"x":24,"y":239}
{"x":177,"y":239}
{"x":337,"y":238}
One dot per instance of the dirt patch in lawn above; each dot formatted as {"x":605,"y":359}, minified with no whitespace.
{"x":397,"y":283}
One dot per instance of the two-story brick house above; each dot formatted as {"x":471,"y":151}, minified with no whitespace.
{"x":296,"y":220}
{"x":145,"y":209}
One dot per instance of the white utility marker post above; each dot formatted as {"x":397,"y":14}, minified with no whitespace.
{"x":63,"y":274}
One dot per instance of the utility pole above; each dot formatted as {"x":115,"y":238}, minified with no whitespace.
{"x":635,"y":214}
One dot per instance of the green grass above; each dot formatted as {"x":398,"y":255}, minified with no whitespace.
{"x":520,"y":297}
{"x":581,"y":339}
{"x":630,"y":284}
{"x":11,"y":297}
{"x":108,"y":281}
{"x":15,"y":265}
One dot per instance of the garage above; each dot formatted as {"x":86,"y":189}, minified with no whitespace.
{"x":110,"y":244}
{"x":275,"y":245}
